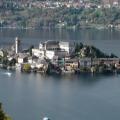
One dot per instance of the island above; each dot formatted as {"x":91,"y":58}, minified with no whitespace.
{"x":58,"y":57}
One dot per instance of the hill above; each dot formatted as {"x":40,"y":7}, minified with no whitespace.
{"x":62,"y":14}
{"x":90,"y":52}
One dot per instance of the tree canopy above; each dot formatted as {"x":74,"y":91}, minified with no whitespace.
{"x":3,"y":115}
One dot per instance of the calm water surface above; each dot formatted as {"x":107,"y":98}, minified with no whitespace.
{"x":71,"y":97}
{"x":32,"y":96}
{"x":107,"y":40}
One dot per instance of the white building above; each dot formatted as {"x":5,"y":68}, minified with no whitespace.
{"x":37,"y":63}
{"x":30,"y":60}
{"x":43,"y":53}
{"x":64,"y":46}
{"x":1,"y":53}
{"x":50,"y":54}
{"x":41,"y":46}
{"x":54,"y":48}
{"x":50,"y":48}
{"x":18,"y":66}
{"x":22,"y":58}
{"x":38,"y":53}
{"x":56,"y":45}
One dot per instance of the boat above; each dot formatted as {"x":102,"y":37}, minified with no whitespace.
{"x":46,"y":118}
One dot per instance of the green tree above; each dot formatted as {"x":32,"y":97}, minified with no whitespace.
{"x":3,"y":116}
{"x":26,"y":67}
{"x":30,"y":49}
{"x":78,"y":47}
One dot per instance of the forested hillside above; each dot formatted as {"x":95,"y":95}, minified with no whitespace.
{"x":59,"y":13}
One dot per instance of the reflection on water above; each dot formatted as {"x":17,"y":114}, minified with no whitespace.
{"x":67,"y":97}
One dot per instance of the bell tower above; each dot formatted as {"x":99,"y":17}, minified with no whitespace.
{"x":17,"y":45}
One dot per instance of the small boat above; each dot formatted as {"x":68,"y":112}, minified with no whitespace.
{"x":46,"y":118}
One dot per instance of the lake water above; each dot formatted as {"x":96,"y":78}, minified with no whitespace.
{"x":69,"y":97}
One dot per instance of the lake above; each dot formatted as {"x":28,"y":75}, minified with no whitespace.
{"x":68,"y":97}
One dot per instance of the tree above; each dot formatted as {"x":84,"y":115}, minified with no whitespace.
{"x":3,"y":116}
{"x":30,"y":49}
{"x":26,"y":67}
{"x":78,"y":47}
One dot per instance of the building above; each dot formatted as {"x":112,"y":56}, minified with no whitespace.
{"x":22,"y":58}
{"x":61,"y":54}
{"x":64,"y":46}
{"x":1,"y":53}
{"x":85,"y":62}
{"x":56,"y":45}
{"x":51,"y":45}
{"x":49,"y":54}
{"x":50,"y":48}
{"x":38,"y":52}
{"x":110,"y":3}
{"x":71,"y":64}
{"x":37,"y":63}
{"x":17,"y":45}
